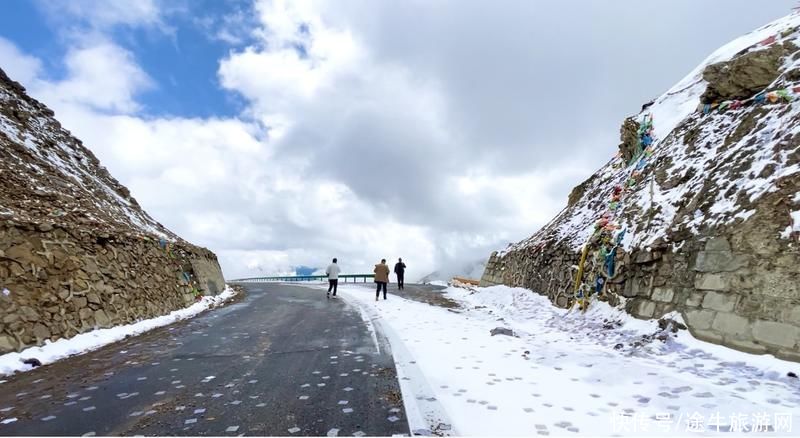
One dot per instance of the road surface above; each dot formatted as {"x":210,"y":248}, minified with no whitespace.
{"x":283,"y":361}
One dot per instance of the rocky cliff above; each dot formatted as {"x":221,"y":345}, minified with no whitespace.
{"x":76,"y":250}
{"x":699,"y":211}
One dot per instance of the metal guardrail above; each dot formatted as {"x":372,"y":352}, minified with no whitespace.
{"x":345,"y":277}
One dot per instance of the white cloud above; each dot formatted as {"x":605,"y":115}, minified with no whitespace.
{"x":102,"y":76}
{"x":18,"y":66}
{"x":297,"y":57}
{"x":234,"y":27}
{"x":282,"y":19}
{"x":432,"y":131}
{"x":379,"y":130}
{"x":217,"y":183}
{"x":102,"y":14}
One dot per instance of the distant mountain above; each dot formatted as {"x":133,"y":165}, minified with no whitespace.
{"x":304,"y":270}
{"x":472,"y":269}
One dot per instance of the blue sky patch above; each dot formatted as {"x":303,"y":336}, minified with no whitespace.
{"x":182,"y":60}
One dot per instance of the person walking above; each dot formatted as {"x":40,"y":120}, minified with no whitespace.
{"x":400,"y":271}
{"x":333,"y":278}
{"x":381,"y":278}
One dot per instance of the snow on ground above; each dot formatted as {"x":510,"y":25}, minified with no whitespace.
{"x":85,"y":342}
{"x":573,"y":381}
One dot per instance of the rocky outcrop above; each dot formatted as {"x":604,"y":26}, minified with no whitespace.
{"x":706,"y":222}
{"x":628,"y":134}
{"x":76,"y":250}
{"x":745,"y":75}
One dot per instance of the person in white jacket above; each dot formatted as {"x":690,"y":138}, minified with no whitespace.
{"x":333,"y":278}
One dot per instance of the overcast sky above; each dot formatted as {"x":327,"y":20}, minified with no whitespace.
{"x":281,"y":134}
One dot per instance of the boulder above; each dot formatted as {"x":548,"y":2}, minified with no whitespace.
{"x":80,"y":302}
{"x":629,"y":137}
{"x":663,"y":294}
{"x":645,"y":309}
{"x":7,"y":343}
{"x":731,"y":324}
{"x":717,"y":282}
{"x":776,"y":333}
{"x":85,"y":313}
{"x":29,"y":314}
{"x":101,"y":318}
{"x":502,"y":331}
{"x":32,"y":362}
{"x":41,"y":332}
{"x":723,"y":302}
{"x":745,"y":75}
{"x":720,"y":261}
{"x":700,"y":319}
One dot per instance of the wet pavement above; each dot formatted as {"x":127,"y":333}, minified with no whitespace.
{"x":282,"y":361}
{"x":424,"y":293}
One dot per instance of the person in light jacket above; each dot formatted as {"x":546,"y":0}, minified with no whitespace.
{"x":400,"y":271}
{"x":381,"y":278}
{"x":333,"y":278}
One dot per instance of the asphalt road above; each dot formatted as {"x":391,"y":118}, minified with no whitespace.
{"x":283,"y":361}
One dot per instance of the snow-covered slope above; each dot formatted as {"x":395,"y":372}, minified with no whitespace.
{"x":76,"y":250}
{"x":674,"y":113}
{"x":50,"y":175}
{"x":698,"y":212}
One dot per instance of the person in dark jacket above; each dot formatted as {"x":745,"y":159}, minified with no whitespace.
{"x":400,"y":271}
{"x":381,"y":278}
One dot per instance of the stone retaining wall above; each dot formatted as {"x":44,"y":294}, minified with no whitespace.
{"x":59,"y":282}
{"x":77,"y":252}
{"x":740,"y":288}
